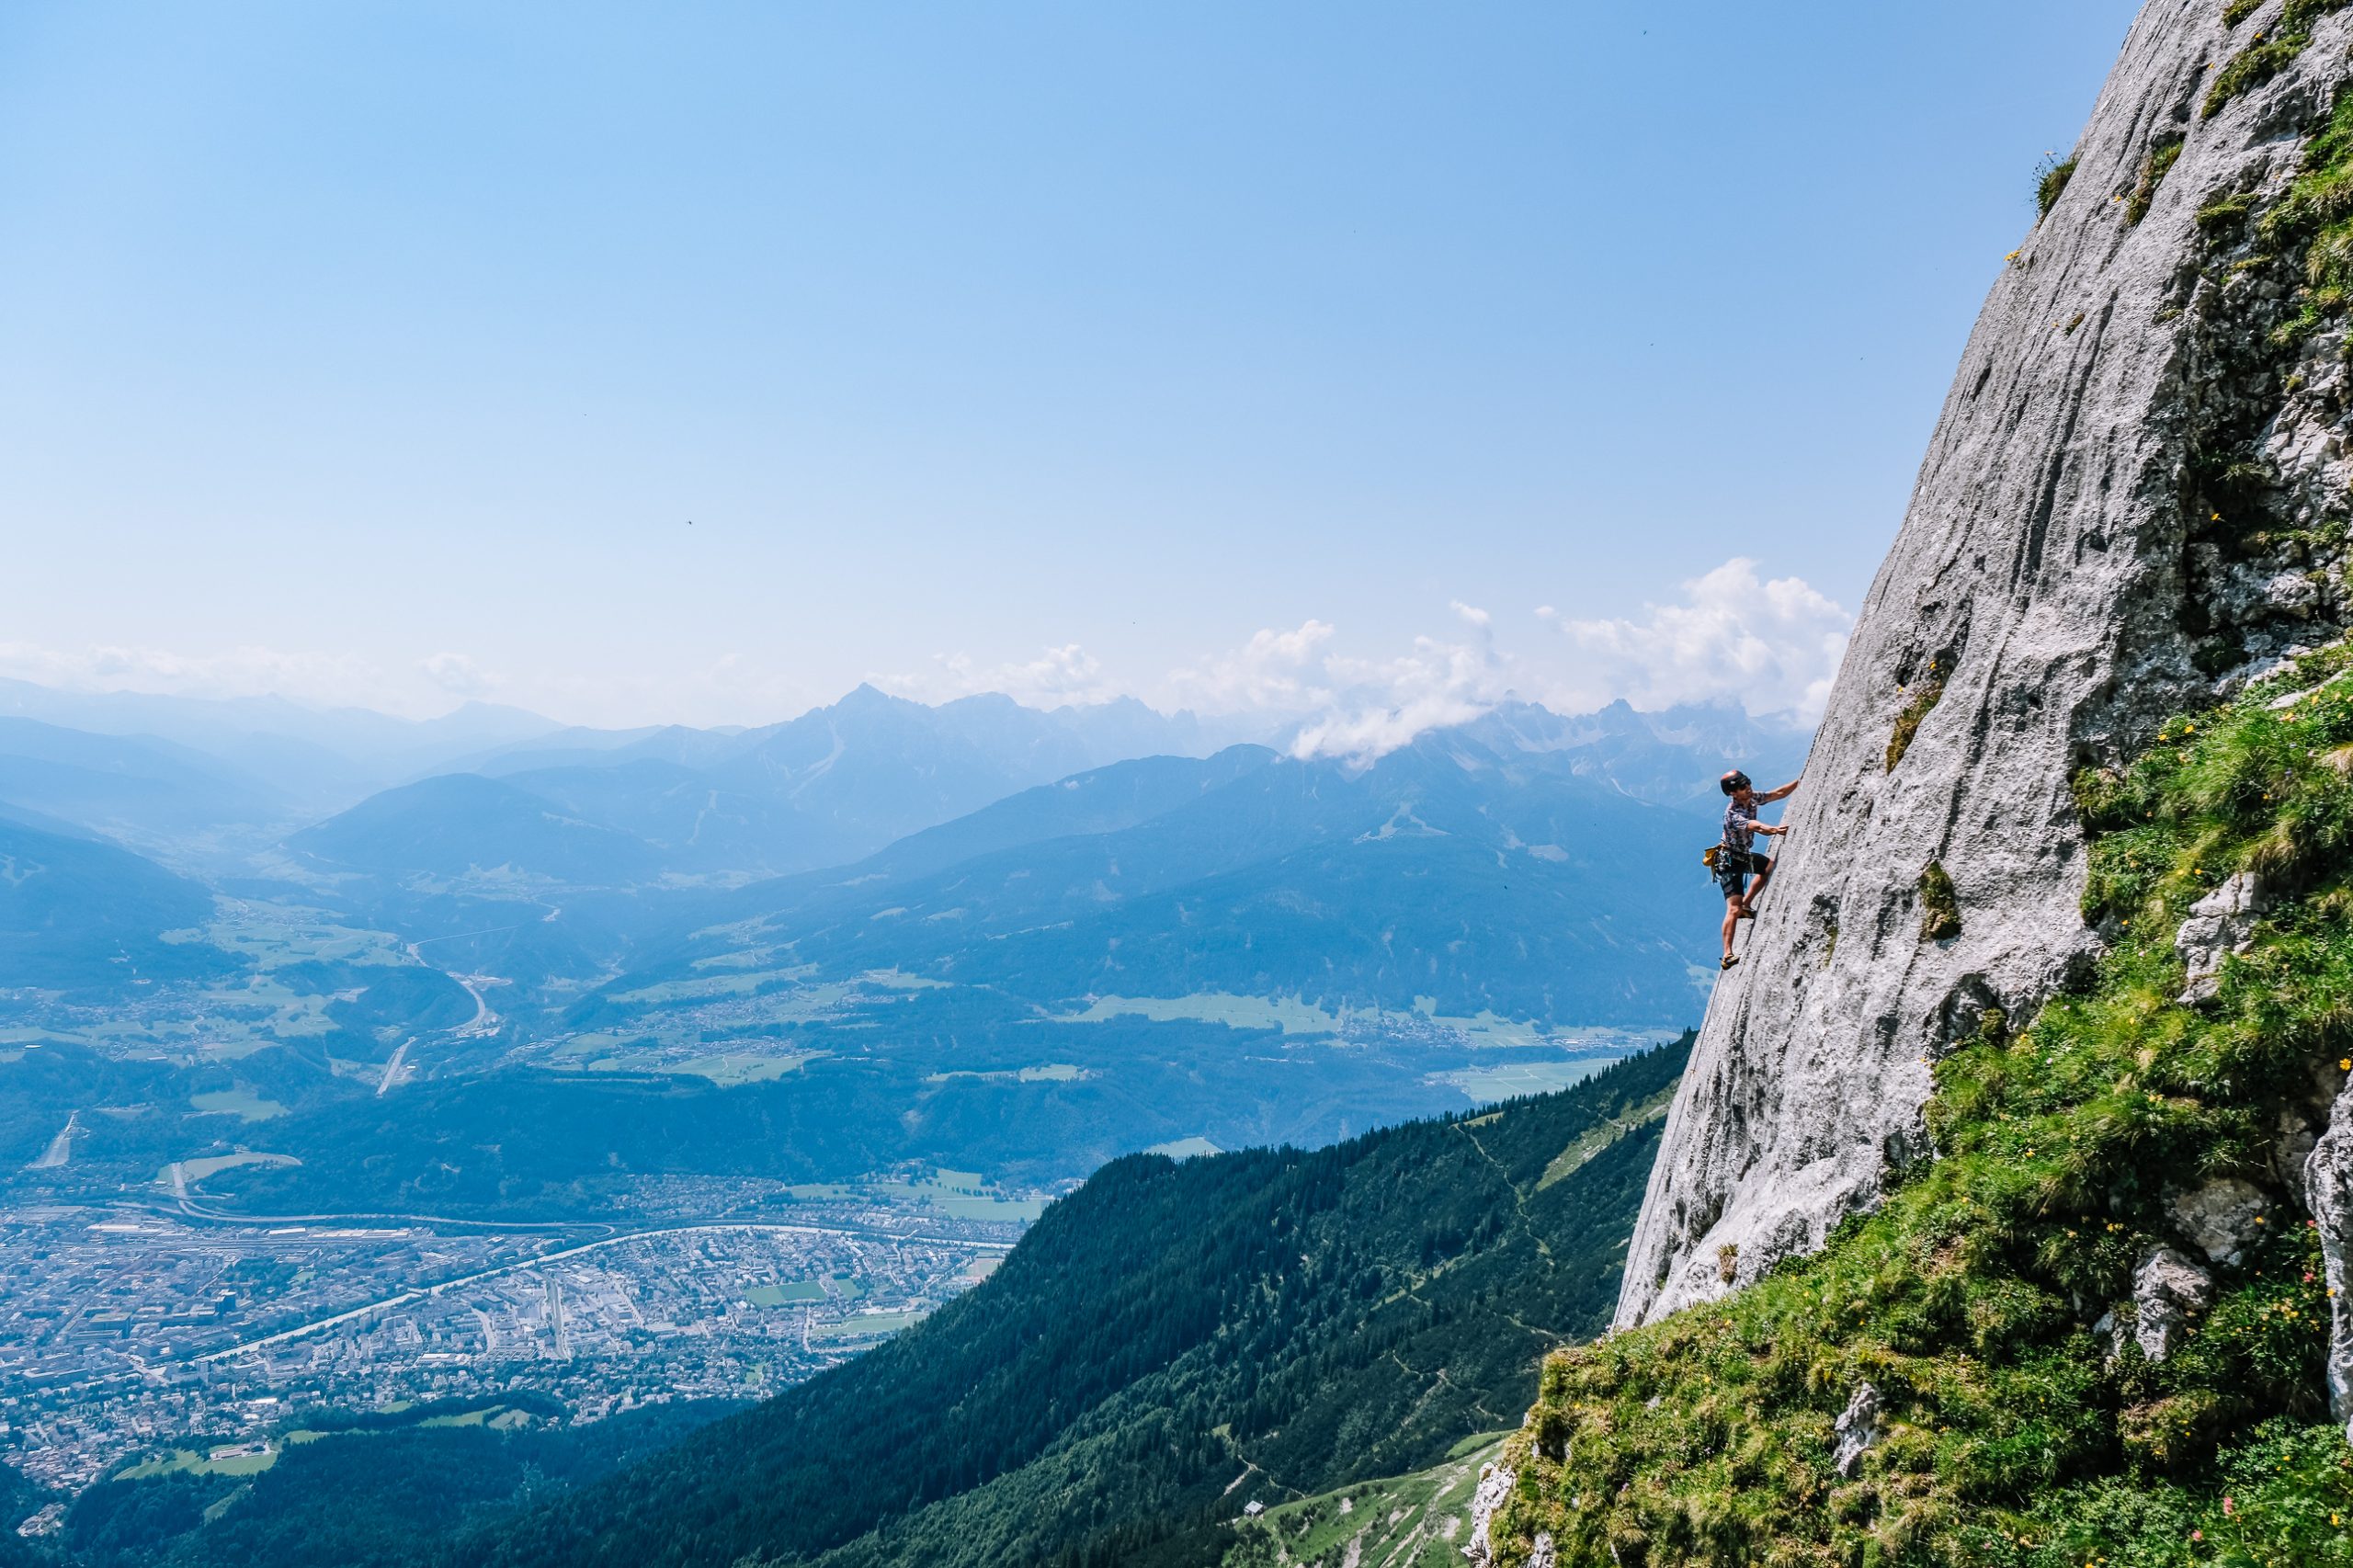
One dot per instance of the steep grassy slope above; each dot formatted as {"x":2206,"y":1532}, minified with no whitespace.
{"x":2016,"y":1430}
{"x":1168,"y":1343}
{"x":1414,"y":1521}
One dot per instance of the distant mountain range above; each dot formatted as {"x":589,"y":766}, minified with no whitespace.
{"x":879,"y":932}
{"x":319,"y":760}
{"x":834,"y":784}
{"x":1510,"y":863}
{"x":1479,"y":879}
{"x":153,"y":794}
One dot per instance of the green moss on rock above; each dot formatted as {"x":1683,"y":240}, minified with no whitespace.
{"x":1907,"y":722}
{"x":2153,"y":169}
{"x":2225,"y":213}
{"x":2267,"y":54}
{"x":1940,"y":905}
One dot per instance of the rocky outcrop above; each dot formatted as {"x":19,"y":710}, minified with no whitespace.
{"x":1858,"y":1431}
{"x":2328,"y":1177}
{"x":1495,"y":1486}
{"x":2117,"y":519}
{"x":2223,"y":1219}
{"x":2221,"y":923}
{"x":2168,"y":1294}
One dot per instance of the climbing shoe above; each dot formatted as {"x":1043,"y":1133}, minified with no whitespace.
{"x":1730,"y":959}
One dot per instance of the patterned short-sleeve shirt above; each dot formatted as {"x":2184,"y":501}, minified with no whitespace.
{"x":1740,"y":824}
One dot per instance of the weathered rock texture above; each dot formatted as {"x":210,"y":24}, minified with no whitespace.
{"x":2330,"y":1177}
{"x":2168,"y":1292}
{"x":1494,"y":1487}
{"x":2220,"y":924}
{"x":2223,"y":1219}
{"x":1858,"y":1431}
{"x":2115,"y":522}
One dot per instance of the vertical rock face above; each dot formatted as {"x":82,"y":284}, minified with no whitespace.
{"x":2079,"y":558}
{"x":2329,"y":1179}
{"x":1494,"y":1487}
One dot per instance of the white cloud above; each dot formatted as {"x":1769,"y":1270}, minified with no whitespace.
{"x":1346,"y":705}
{"x":1382,"y":705}
{"x":457,"y":674}
{"x":1774,"y":646}
{"x":1272,"y":673}
{"x":327,"y":678}
{"x":1385,"y":705}
{"x":1057,"y":676}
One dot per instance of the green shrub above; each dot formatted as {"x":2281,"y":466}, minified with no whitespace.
{"x":1940,"y":905}
{"x":2225,"y":213}
{"x":2050,"y":183}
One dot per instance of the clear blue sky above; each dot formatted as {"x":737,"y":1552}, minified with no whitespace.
{"x":384,"y":350}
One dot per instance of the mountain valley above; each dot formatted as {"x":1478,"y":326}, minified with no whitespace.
{"x":553,"y":998}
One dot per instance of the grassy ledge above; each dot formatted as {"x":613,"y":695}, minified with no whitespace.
{"x":2268,"y":53}
{"x":2050,"y":184}
{"x":2153,"y":169}
{"x":2316,"y":217}
{"x":2012,"y":1433}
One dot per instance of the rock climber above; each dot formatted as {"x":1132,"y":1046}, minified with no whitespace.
{"x":1736,"y":861}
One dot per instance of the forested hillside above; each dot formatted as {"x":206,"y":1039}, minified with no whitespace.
{"x":365,"y":1491}
{"x":1171,"y":1341}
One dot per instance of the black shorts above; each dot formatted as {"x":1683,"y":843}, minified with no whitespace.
{"x":1733,"y":867}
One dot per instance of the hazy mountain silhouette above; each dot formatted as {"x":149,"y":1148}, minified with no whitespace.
{"x":79,"y":913}
{"x":151,"y":792}
{"x":1448,"y":869}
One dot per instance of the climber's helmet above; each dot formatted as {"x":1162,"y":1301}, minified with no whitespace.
{"x":1734,"y":782}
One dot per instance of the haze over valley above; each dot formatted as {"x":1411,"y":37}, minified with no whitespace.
{"x":298,"y":988}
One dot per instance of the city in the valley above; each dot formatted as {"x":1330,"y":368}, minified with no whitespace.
{"x":148,"y":1334}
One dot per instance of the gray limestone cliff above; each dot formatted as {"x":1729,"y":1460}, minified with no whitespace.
{"x":2117,"y":519}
